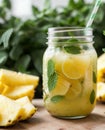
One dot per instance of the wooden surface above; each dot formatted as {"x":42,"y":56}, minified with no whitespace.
{"x":42,"y":120}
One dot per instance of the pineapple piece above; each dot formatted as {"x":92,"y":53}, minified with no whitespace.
{"x":100,"y":92}
{"x":11,"y":112}
{"x":28,"y":107}
{"x":101,"y":68}
{"x":3,"y":88}
{"x":101,"y":78}
{"x":101,"y":61}
{"x":20,"y":91}
{"x":12,"y":78}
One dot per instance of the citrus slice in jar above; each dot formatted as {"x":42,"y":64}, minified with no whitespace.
{"x":62,"y":87}
{"x":75,"y":66}
{"x":75,"y":90}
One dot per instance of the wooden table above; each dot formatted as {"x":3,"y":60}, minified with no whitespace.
{"x":42,"y":120}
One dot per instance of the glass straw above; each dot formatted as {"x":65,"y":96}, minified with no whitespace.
{"x":92,"y":16}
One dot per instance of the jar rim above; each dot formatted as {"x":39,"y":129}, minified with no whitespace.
{"x":68,"y":43}
{"x":91,"y":36}
{"x":70,"y":34}
{"x":67,"y":29}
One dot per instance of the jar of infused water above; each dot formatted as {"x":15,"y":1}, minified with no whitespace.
{"x":69,"y":72}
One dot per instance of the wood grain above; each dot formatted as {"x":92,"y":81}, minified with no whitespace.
{"x":42,"y":120}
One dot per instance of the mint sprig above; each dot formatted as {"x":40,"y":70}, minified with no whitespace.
{"x":50,"y":68}
{"x":52,"y":80}
{"x":52,"y":75}
{"x":57,"y":98}
{"x":6,"y":37}
{"x":92,"y":97}
{"x":94,"y":77}
{"x":72,"y":49}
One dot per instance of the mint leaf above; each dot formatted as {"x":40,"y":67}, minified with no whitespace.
{"x":94,"y":77}
{"x":57,"y":98}
{"x":52,"y":80}
{"x":92,"y":97}
{"x":3,"y":57}
{"x":72,"y":49}
{"x":73,"y":40}
{"x":5,"y":37}
{"x":23,"y":63}
{"x":52,"y":75}
{"x":15,"y":52}
{"x":50,"y":68}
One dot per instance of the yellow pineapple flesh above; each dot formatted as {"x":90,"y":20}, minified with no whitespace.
{"x":20,"y":91}
{"x":28,"y":107}
{"x":101,"y":68}
{"x":10,"y":111}
{"x":101,"y":78}
{"x":16,"y":92}
{"x":16,"y":85}
{"x":101,"y":92}
{"x":12,"y":78}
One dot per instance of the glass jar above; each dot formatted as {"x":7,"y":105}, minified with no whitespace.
{"x":69,"y":72}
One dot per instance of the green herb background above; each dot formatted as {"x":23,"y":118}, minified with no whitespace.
{"x":23,"y":45}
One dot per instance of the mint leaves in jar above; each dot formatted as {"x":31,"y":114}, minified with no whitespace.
{"x":52,"y":75}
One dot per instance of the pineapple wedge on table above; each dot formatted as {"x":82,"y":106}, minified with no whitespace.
{"x":28,"y":107}
{"x":101,"y":78}
{"x":16,"y":93}
{"x":10,"y":111}
{"x":101,"y":92}
{"x":17,"y":84}
{"x":101,"y":68}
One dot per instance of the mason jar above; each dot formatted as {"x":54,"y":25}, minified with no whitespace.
{"x":69,"y":72}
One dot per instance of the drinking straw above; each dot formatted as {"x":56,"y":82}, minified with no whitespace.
{"x":93,"y":14}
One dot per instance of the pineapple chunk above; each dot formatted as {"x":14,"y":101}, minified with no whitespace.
{"x":28,"y":107}
{"x":101,"y":62}
{"x":100,"y":92}
{"x":10,"y":111}
{"x":20,"y":91}
{"x":12,"y":78}
{"x":101,"y":78}
{"x":3,"y":88}
{"x":101,"y":68}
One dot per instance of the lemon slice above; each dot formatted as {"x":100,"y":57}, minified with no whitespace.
{"x":61,"y":87}
{"x":75,"y":90}
{"x":74,"y":67}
